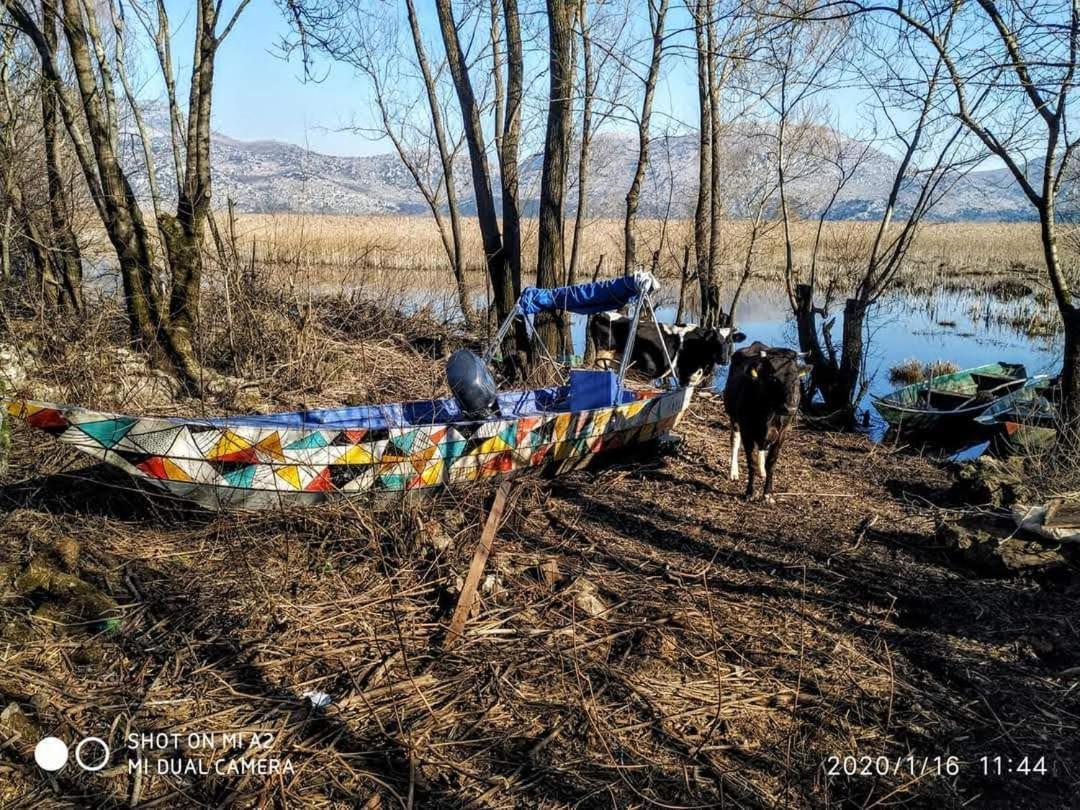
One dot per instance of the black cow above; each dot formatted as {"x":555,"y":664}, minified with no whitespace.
{"x":694,"y":351}
{"x":762,"y":397}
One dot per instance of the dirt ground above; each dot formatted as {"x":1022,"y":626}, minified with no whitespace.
{"x":644,"y":639}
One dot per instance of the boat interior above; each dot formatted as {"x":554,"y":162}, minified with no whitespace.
{"x":587,"y":390}
{"x":985,"y":386}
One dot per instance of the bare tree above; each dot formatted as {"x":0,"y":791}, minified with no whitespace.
{"x":162,"y":326}
{"x":550,"y":245}
{"x":710,"y":294}
{"x":757,"y":202}
{"x":499,"y":269}
{"x":931,"y":160}
{"x":724,"y":37}
{"x":657,"y":16}
{"x":508,"y":129}
{"x":65,"y":255}
{"x":603,"y":28}
{"x":39,"y":213}
{"x":21,"y":235}
{"x":367,"y":41}
{"x":453,"y":243}
{"x":588,"y":92}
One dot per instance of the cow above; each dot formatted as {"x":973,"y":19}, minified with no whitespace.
{"x":694,"y":351}
{"x":762,"y":397}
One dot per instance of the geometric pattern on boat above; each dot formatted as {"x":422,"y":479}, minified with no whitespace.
{"x":219,"y":464}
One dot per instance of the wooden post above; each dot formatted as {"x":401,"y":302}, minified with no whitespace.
{"x":476,"y":568}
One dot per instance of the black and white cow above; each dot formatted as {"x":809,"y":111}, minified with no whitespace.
{"x":694,"y":351}
{"x":762,"y":397}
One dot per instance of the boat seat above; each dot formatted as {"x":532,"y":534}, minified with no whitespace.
{"x":947,"y":400}
{"x":998,"y":382}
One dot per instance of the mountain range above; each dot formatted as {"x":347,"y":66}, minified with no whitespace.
{"x":272,"y":176}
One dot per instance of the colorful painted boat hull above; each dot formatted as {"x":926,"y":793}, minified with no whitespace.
{"x":240,"y":464}
{"x":911,"y":409}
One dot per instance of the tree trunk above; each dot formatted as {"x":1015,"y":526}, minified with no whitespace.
{"x":806,"y":327}
{"x":66,"y":255}
{"x":714,"y":315}
{"x":121,"y":213}
{"x":1070,"y":313}
{"x":843,"y":396}
{"x":589,"y":90}
{"x":633,"y":196}
{"x":684,"y":277}
{"x":839,"y":380}
{"x":709,"y":298}
{"x":5,"y":245}
{"x":508,"y":161}
{"x":1070,"y":371}
{"x":499,"y":270}
{"x":550,"y":327}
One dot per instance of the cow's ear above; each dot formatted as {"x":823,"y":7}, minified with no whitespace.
{"x":738,"y":337}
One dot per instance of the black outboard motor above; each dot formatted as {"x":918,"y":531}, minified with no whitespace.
{"x":472,"y":384}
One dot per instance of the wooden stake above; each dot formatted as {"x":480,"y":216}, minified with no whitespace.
{"x":476,"y":568}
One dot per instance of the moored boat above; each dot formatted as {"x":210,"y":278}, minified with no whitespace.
{"x":1022,"y":422}
{"x":949,"y":403}
{"x":260,"y":461}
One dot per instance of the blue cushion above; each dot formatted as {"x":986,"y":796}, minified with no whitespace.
{"x":591,"y":389}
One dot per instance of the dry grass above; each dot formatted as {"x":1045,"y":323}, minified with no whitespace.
{"x":336,"y":245}
{"x":645,"y":639}
{"x":914,"y":370}
{"x":680,"y":649}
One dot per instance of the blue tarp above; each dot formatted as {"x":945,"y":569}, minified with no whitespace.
{"x":397,"y":414}
{"x":585,"y":299}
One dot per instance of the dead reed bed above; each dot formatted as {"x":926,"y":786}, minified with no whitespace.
{"x":961,"y":252}
{"x":642,"y":636}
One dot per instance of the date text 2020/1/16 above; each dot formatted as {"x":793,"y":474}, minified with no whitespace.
{"x":884,"y":765}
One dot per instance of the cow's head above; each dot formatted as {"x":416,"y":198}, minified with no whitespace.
{"x":703,"y":350}
{"x":778,"y":373}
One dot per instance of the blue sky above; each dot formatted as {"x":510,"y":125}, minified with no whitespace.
{"x":257,"y":94}
{"x":261,"y":95}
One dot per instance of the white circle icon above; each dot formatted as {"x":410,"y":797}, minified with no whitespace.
{"x":51,"y":753}
{"x":97,"y":766}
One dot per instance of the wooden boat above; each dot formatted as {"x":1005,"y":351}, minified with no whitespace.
{"x":256,"y":462}
{"x":1022,"y":422}
{"x":949,"y":403}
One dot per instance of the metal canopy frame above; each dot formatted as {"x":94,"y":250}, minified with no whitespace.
{"x":641,"y":302}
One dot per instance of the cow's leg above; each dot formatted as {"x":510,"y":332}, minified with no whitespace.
{"x":736,"y":439}
{"x":751,"y":468}
{"x":770,"y":466}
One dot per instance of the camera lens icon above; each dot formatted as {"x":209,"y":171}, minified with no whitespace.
{"x":87,"y":751}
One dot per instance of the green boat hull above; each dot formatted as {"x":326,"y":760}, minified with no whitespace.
{"x":949,"y":403}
